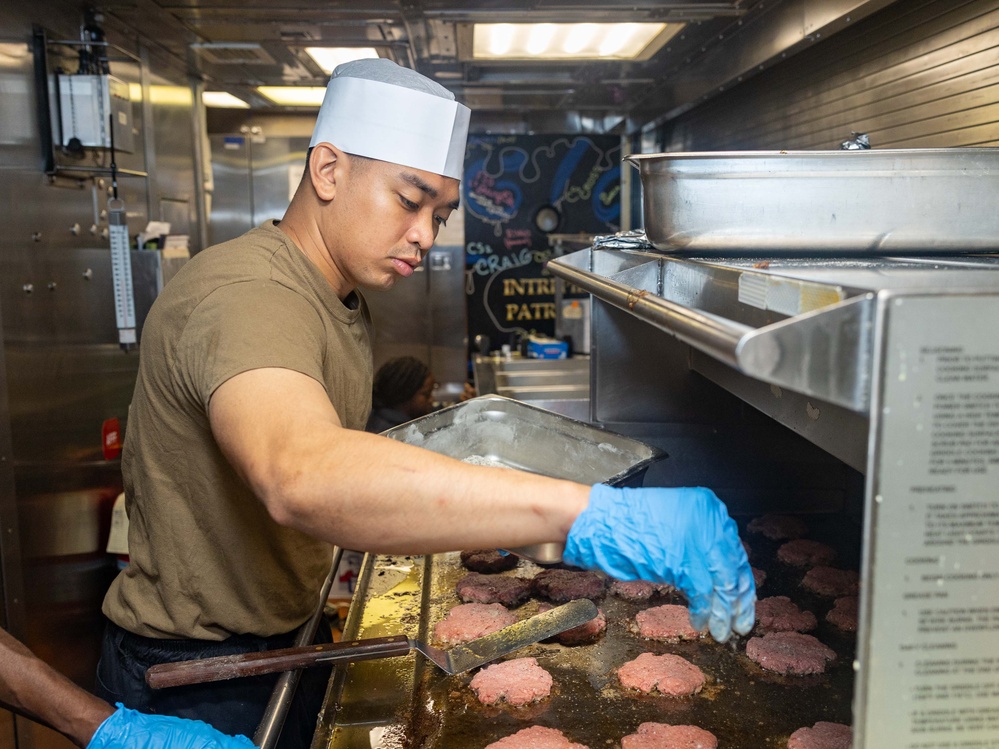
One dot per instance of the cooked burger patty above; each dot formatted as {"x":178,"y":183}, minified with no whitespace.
{"x":781,"y":614}
{"x":584,"y":634}
{"x":468,"y":621}
{"x":844,"y":613}
{"x":516,"y":682}
{"x":803,"y":552}
{"x":668,"y":623}
{"x":829,"y":581}
{"x":536,"y":737}
{"x":778,"y":527}
{"x":488,"y":560}
{"x":665,"y":736}
{"x":562,"y":586}
{"x":822,"y":735}
{"x":666,"y":674}
{"x":790,"y":653}
{"x":478,"y":588}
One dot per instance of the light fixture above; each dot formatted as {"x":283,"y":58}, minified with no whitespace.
{"x":569,"y":41}
{"x":328,"y":58}
{"x":178,"y":96}
{"x":294,"y":96}
{"x":222,"y":100}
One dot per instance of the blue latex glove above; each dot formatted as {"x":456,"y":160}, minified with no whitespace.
{"x":128,"y":729}
{"x":682,"y":537}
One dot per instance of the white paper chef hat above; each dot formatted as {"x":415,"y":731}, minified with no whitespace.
{"x":381,"y":110}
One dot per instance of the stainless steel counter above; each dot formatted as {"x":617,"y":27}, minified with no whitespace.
{"x":559,"y":385}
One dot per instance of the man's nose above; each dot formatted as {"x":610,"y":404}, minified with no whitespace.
{"x":422,"y":234}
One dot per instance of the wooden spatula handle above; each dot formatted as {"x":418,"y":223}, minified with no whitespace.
{"x":225,"y":667}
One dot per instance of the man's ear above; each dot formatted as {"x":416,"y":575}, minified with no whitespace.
{"x":325,"y":165}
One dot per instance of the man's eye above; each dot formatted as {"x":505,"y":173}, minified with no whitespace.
{"x":408,"y":203}
{"x":440,"y":220}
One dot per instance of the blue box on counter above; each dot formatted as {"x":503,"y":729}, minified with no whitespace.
{"x":546,"y":348}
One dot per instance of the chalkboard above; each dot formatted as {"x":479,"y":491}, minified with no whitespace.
{"x":512,"y":184}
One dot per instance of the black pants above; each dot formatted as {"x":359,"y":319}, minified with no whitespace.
{"x":234,"y":707}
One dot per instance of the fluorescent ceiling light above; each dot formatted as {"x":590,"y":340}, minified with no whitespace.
{"x":294,"y":96}
{"x":328,"y":58}
{"x":564,"y":41}
{"x":222,"y":100}
{"x":179,"y":96}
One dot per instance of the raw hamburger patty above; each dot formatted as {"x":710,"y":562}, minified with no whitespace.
{"x":536,"y":737}
{"x":488,"y":560}
{"x":477,"y":588}
{"x":790,"y":653}
{"x":666,"y":674}
{"x":844,"y":613}
{"x":759,"y":577}
{"x":822,"y":735}
{"x":669,"y":623}
{"x":562,"y":586}
{"x":829,"y":581}
{"x":778,"y":527}
{"x":632,"y":590}
{"x":584,"y":634}
{"x":780,"y":614}
{"x":516,"y":682}
{"x":468,"y":621}
{"x":665,"y":736}
{"x":803,"y":552}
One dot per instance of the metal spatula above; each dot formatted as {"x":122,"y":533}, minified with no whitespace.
{"x":454,"y":661}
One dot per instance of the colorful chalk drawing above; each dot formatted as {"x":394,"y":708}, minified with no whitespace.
{"x":492,"y":183}
{"x":506,"y":180}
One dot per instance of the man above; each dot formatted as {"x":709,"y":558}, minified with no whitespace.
{"x":29,"y":687}
{"x":243,"y":457}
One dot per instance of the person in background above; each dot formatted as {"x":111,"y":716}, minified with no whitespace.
{"x":245,"y":457}
{"x":403,"y":391}
{"x":32,"y":688}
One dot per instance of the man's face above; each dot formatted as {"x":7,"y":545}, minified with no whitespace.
{"x":384,"y":219}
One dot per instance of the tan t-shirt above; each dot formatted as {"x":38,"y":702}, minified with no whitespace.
{"x":206,"y":560}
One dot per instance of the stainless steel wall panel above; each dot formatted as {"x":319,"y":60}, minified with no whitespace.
{"x":401,"y":319}
{"x":916,"y":74}
{"x":62,"y":372}
{"x":172,"y":192}
{"x":448,"y":313}
{"x":277,"y":168}
{"x":18,"y":115}
{"x":232,"y":196}
{"x":254,"y":178}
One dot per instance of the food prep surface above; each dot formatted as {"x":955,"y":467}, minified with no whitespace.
{"x":407,"y":702}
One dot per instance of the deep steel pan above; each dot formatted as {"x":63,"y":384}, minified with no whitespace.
{"x":886,"y":201}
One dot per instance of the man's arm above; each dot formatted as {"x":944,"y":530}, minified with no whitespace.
{"x":282,"y":435}
{"x":29,"y":687}
{"x":364,"y":491}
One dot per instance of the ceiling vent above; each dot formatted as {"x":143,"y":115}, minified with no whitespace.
{"x":233,"y":53}
{"x":296,"y":34}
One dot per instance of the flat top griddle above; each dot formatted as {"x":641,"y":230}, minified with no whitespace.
{"x":404,"y":702}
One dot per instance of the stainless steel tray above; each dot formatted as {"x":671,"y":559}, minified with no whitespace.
{"x":493,"y":430}
{"x":502,"y":431}
{"x":879,"y":201}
